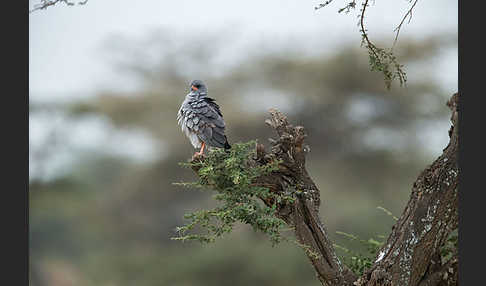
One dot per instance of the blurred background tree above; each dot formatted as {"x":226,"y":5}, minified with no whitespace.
{"x":108,"y":218}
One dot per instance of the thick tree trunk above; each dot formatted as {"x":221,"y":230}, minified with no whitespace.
{"x":429,"y":217}
{"x":411,"y":254}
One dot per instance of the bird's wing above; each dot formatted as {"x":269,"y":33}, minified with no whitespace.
{"x":207,"y":122}
{"x":214,"y":105}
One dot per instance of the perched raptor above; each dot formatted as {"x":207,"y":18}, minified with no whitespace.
{"x":201,"y":120}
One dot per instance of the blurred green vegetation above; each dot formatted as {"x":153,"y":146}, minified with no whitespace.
{"x":109,"y":220}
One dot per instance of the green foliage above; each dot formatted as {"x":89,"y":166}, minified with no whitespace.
{"x":387,"y":212}
{"x":450,"y":246}
{"x":359,"y":262}
{"x":380,"y":59}
{"x":384,"y":61}
{"x":231,"y":176}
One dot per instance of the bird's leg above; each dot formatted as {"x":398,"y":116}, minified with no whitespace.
{"x":200,"y":151}
{"x":202,"y":148}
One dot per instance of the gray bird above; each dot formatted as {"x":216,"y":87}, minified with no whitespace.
{"x":201,"y":120}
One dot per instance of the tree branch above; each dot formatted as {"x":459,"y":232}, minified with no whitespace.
{"x":44,"y":4}
{"x":409,"y":255}
{"x":399,"y":27}
{"x":302,"y":214}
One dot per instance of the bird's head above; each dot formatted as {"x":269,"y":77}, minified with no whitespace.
{"x":198,"y":85}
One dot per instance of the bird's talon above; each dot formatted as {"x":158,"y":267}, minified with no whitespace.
{"x":196,"y":155}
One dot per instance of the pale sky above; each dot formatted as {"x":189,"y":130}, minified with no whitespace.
{"x":65,"y":42}
{"x":68,"y":53}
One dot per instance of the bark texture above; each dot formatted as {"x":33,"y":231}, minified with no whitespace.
{"x":411,"y":254}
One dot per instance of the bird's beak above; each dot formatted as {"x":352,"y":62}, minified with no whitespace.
{"x":193,"y":87}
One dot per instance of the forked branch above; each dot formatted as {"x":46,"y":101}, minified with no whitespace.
{"x":411,"y":255}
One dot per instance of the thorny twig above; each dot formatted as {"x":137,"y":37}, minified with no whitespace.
{"x":408,"y":14}
{"x":382,"y":60}
{"x":44,"y":4}
{"x":348,"y":6}
{"x":370,"y":45}
{"x":323,"y":4}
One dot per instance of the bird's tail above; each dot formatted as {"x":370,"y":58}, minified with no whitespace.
{"x":226,"y":144}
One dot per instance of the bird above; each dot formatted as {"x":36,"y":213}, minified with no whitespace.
{"x":201,"y":119}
